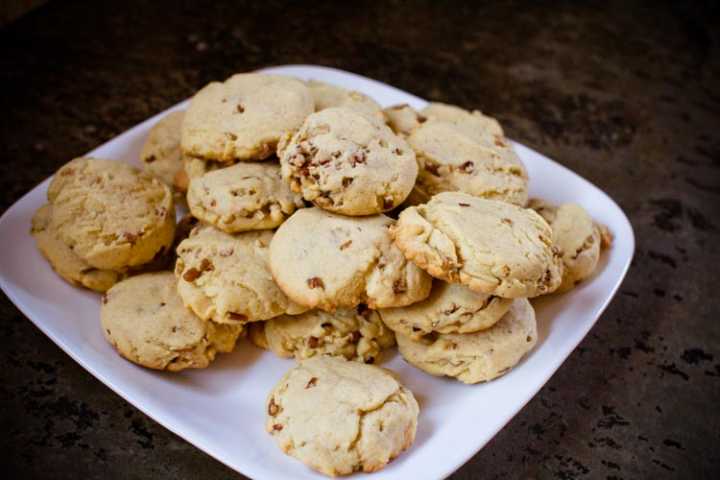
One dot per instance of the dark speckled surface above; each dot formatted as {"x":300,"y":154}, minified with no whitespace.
{"x":627,"y":94}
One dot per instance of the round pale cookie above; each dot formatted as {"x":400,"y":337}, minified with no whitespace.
{"x":63,"y":260}
{"x":145,"y":320}
{"x":161,"y":154}
{"x":112,"y":215}
{"x":450,"y":308}
{"x":480,"y":356}
{"x":328,"y":261}
{"x":490,"y":246}
{"x":340,"y":417}
{"x":326,"y":95}
{"x":355,"y":334}
{"x":346,"y":163}
{"x":245,"y":196}
{"x":403,"y":119}
{"x":244,"y":117}
{"x":578,"y":238}
{"x":467,"y":152}
{"x":226,"y":278}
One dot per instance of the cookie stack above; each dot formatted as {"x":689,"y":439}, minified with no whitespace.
{"x":327,"y":230}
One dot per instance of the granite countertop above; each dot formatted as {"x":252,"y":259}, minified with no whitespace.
{"x":627,"y":94}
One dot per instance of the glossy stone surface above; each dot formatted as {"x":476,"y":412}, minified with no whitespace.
{"x":627,"y":95}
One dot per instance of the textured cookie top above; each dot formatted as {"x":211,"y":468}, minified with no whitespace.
{"x":243,"y":117}
{"x":450,"y":308}
{"x":226,"y":277}
{"x":492,"y":247}
{"x":346,"y":163}
{"x":161,"y":154}
{"x":355,"y":334}
{"x":577,"y":237}
{"x":403,"y":119}
{"x":145,"y":320}
{"x":467,"y":152}
{"x":245,"y":196}
{"x":480,"y":356}
{"x":63,"y":260}
{"x":326,"y":95}
{"x":110,"y":214}
{"x":340,"y":417}
{"x":323,"y":260}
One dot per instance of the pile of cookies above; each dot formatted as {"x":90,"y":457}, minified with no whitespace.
{"x":325,"y":229}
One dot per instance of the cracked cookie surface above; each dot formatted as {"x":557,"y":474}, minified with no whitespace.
{"x":161,"y":154}
{"x":354,"y":334}
{"x":245,"y":196}
{"x":450,"y":308}
{"x":344,"y":162}
{"x":465,"y":151}
{"x":490,"y":246}
{"x":480,"y":356}
{"x":340,"y":417}
{"x":63,"y":260}
{"x":226,"y":277}
{"x":145,"y":320}
{"x":328,"y":261}
{"x":578,"y":237}
{"x":244,"y":117}
{"x":111,"y":214}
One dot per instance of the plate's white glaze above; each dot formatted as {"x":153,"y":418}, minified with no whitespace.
{"x":221,"y":409}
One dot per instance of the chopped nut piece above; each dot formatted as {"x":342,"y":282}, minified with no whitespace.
{"x":237,"y":316}
{"x":313,"y":342}
{"x":345,"y":244}
{"x":150,"y":159}
{"x":467,"y":167}
{"x":315,"y":282}
{"x":191,"y":275}
{"x":277,"y":427}
{"x":206,"y":265}
{"x":311,"y":383}
{"x":273,"y":408}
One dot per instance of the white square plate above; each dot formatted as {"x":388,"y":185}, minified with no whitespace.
{"x":221,"y":410}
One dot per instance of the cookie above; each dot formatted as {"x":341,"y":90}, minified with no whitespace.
{"x":245,"y":196}
{"x":161,"y":154}
{"x":340,"y":417}
{"x":346,"y":163}
{"x":480,"y":356}
{"x":225,"y":278}
{"x":326,"y":95}
{"x":111,"y":215}
{"x":578,"y":238}
{"x":403,"y":119}
{"x":328,"y":261}
{"x":145,"y":320}
{"x":355,"y":334}
{"x":490,"y":246}
{"x":450,"y":308}
{"x":466,"y":152}
{"x":63,"y":260}
{"x":244,"y":117}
